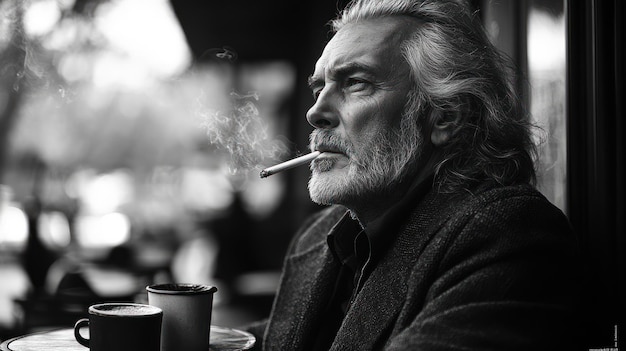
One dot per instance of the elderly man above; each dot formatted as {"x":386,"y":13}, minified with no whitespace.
{"x":434,"y":238}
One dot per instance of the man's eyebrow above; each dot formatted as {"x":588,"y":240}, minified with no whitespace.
{"x":350,"y":68}
{"x":341,"y":71}
{"x":314,"y":82}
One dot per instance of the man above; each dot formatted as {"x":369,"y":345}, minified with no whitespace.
{"x":434,"y":238}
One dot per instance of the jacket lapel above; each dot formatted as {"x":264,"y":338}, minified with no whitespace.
{"x":384,"y":294}
{"x":309,"y":277}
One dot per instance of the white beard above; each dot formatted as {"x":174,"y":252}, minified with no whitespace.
{"x":372,"y":170}
{"x":326,"y":188}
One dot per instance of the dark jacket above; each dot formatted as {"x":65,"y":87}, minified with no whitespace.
{"x":494,"y":270}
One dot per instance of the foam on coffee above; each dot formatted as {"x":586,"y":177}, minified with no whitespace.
{"x":124,"y":309}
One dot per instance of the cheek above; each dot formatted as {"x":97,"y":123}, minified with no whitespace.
{"x":393,"y":109}
{"x":365,"y":119}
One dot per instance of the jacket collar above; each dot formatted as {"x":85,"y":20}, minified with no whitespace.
{"x":383,"y":294}
{"x":311,"y":274}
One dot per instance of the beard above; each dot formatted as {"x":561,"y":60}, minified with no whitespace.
{"x":374,"y":167}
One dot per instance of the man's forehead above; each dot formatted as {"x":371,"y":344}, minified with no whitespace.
{"x":366,"y":43}
{"x":349,"y":62}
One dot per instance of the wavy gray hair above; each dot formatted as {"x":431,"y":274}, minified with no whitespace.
{"x":455,"y":68}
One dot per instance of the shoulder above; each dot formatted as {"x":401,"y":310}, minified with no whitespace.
{"x":486,"y":194}
{"x":496,"y":205}
{"x":513,"y":220}
{"x":490,"y":207}
{"x":501,"y":221}
{"x":523,"y":205}
{"x":498,"y":257}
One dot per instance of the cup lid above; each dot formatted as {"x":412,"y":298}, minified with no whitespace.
{"x":181,"y":289}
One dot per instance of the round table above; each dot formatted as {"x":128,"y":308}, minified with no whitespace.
{"x":222,"y":339}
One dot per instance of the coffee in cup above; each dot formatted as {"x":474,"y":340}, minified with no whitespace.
{"x":121,"y":327}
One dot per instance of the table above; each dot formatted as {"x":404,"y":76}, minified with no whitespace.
{"x":222,"y":339}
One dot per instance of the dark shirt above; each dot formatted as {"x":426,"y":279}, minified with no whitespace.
{"x":357,"y":250}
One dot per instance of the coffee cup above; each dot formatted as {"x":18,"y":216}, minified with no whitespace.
{"x":187,"y":310}
{"x":121,"y":327}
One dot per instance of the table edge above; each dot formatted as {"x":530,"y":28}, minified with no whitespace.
{"x":4,"y":346}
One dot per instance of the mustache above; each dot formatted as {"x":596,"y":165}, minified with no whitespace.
{"x":328,"y":140}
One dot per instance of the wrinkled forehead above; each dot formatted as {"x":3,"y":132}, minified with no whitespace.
{"x":372,"y":41}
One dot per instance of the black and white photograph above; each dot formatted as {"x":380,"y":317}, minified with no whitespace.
{"x":312,"y":175}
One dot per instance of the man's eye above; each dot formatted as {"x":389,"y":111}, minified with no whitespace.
{"x":355,"y":84}
{"x":316,"y":93}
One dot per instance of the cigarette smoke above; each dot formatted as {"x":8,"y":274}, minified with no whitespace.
{"x":242,"y":133}
{"x":232,"y":120}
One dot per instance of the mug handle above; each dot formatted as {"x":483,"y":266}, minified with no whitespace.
{"x":79,"y":324}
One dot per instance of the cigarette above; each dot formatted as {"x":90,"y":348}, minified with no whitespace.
{"x":298,"y":161}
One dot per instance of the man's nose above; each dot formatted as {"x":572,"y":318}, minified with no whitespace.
{"x":322,"y":114}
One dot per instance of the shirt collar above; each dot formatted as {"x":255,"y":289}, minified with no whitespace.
{"x":342,"y":239}
{"x":351,"y":244}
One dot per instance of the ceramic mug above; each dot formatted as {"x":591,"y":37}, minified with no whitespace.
{"x":121,"y":327}
{"x":187,"y":310}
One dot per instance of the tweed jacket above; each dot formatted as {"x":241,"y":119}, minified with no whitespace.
{"x":492,"y":270}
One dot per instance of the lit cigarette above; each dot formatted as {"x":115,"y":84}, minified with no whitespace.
{"x":298,"y":161}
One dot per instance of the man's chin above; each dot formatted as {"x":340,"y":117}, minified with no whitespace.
{"x":327,"y":187}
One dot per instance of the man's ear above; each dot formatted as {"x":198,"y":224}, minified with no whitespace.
{"x":445,"y":124}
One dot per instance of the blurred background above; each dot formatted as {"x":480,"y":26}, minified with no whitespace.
{"x":132,"y":133}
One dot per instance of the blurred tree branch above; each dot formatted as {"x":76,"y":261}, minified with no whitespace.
{"x":12,"y":66}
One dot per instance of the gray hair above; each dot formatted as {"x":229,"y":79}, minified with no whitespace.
{"x":455,"y":68}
